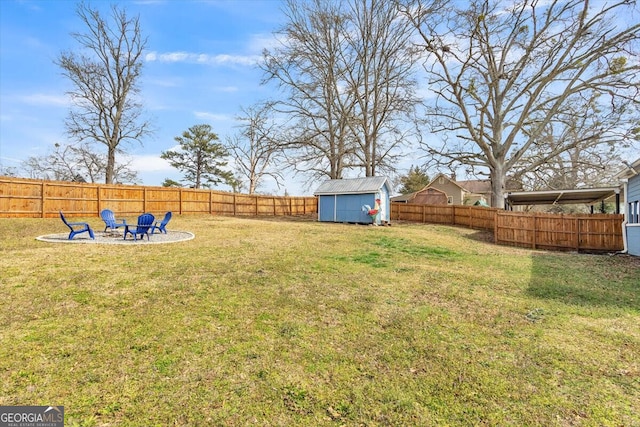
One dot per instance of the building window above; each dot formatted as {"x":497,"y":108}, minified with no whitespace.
{"x":449,"y":200}
{"x":634,"y":212}
{"x":441,"y":180}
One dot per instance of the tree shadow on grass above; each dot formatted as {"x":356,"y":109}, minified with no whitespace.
{"x":481,"y":236}
{"x":587,"y":280}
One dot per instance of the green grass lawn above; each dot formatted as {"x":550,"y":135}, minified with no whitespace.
{"x":298,"y":323}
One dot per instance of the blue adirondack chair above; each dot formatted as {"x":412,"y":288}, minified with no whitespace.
{"x":77,"y":227}
{"x":110,"y":220}
{"x":145,"y":222}
{"x":162,"y":224}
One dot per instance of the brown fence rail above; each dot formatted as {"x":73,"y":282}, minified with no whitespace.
{"x":600,"y":232}
{"x":28,"y":198}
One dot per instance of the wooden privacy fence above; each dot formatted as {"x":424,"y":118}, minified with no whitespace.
{"x":600,"y":232}
{"x":29,"y":198}
{"x":467,"y":216}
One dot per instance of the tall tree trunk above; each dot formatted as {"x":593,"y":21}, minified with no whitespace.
{"x":110,"y":167}
{"x":498,"y":179}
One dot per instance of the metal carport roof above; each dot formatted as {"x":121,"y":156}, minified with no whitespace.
{"x":550,"y":197}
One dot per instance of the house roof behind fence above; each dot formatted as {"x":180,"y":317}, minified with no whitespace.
{"x":476,"y":186}
{"x":351,"y":186}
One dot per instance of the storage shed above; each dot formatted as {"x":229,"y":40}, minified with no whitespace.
{"x":342,"y":200}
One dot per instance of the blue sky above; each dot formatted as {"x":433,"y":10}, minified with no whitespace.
{"x":199,"y":68}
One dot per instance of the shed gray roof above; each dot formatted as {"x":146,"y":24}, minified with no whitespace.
{"x":351,"y":186}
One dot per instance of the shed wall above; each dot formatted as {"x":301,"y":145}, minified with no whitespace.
{"x":327,"y":208}
{"x":349,"y":207}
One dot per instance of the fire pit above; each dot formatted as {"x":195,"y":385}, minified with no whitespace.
{"x":115,"y":238}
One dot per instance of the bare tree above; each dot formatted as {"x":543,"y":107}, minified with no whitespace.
{"x":575,"y":168}
{"x":8,"y":171}
{"x":346,"y":70}
{"x":307,"y":67}
{"x":105,"y":78}
{"x":255,"y":149}
{"x":506,"y":74}
{"x":77,"y":163}
{"x":568,"y":156}
{"x":379,"y":72}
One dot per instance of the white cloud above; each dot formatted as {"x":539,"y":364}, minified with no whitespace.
{"x":202,"y":58}
{"x":259,"y":42}
{"x":149,"y":163}
{"x":166,"y":82}
{"x":172,"y":56}
{"x":13,"y":160}
{"x":43,"y":99}
{"x":212,"y":116}
{"x":228,"y":89}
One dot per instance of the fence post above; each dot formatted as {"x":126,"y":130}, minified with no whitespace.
{"x":99,"y":199}
{"x":534,"y":241}
{"x":577,"y":234}
{"x":42,"y":199}
{"x":495,"y":227}
{"x":235,"y":211}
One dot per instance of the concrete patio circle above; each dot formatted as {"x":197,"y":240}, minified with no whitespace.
{"x":103,"y":238}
